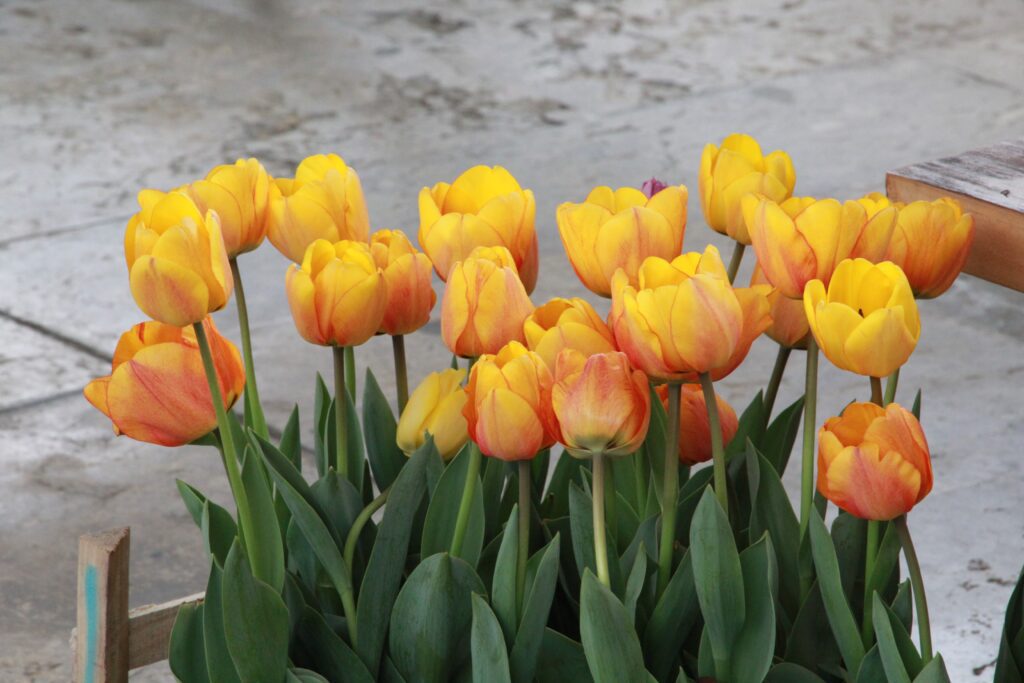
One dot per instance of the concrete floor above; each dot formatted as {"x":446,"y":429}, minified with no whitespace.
{"x":101,"y":98}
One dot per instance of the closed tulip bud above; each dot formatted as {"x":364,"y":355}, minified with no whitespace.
{"x":685,"y":318}
{"x":323,"y":201}
{"x":509,"y":405}
{"x":873,"y":462}
{"x":483,"y":207}
{"x":694,"y":428}
{"x":734,"y":170}
{"x":567,"y":324}
{"x":931,"y":243}
{"x":178,"y":267}
{"x":157,"y":391}
{"x":240,"y":195}
{"x":407,"y":273}
{"x":866,"y":321}
{"x":484,"y":304}
{"x":602,"y":405}
{"x":338,"y":295}
{"x":618,"y":229}
{"x":789,"y":322}
{"x":435,"y":407}
{"x":879,"y":219}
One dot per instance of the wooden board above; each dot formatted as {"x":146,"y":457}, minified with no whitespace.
{"x":988,"y":183}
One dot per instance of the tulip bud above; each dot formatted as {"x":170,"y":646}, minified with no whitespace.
{"x":694,"y":428}
{"x":157,"y":390}
{"x":435,"y":407}
{"x":866,"y":321}
{"x":873,"y":462}
{"x":338,"y":296}
{"x":789,"y":322}
{"x":509,"y":405}
{"x":323,"y":201}
{"x":240,"y":195}
{"x":484,"y":304}
{"x":931,"y":243}
{"x":407,"y":273}
{"x":618,"y":229}
{"x":602,"y":405}
{"x":734,"y":170}
{"x":566,"y":324}
{"x":483,"y":207}
{"x":876,"y":232}
{"x":178,"y":267}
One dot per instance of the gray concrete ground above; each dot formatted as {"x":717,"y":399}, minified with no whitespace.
{"x":103,"y":97}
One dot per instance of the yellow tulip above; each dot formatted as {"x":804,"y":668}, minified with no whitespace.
{"x":789,"y":322}
{"x":323,"y":201}
{"x":876,"y":232}
{"x":931,"y":243}
{"x":178,"y":267}
{"x":483,"y":207}
{"x":484,"y":303}
{"x":338,"y":296}
{"x":408,"y":273}
{"x":866,"y":321}
{"x":618,"y":229}
{"x":240,"y":194}
{"x":567,"y":324}
{"x":435,"y":407}
{"x":734,"y":170}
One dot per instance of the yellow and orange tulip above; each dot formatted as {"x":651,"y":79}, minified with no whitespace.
{"x":931,"y":243}
{"x":874,"y":462}
{"x":874,"y":235}
{"x":157,"y":390}
{"x":435,"y":407}
{"x":567,"y":324}
{"x":240,"y":195}
{"x":789,"y":322}
{"x":694,"y":427}
{"x":483,"y":207}
{"x":407,"y":273}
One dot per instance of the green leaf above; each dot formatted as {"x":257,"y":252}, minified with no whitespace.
{"x":434,"y":612}
{"x":654,"y":446}
{"x":1009,"y":663}
{"x":503,"y":585}
{"x":556,"y":498}
{"x":255,"y":623}
{"x":321,"y":419}
{"x":219,"y":531}
{"x":304,"y":676}
{"x":320,"y":648}
{"x":487,"y":645}
{"x":777,"y":444}
{"x":491,"y":487}
{"x":788,"y":672}
{"x":635,"y":583}
{"x":934,"y":671}
{"x":773,"y":513}
{"x":536,"y":608}
{"x":844,"y":627}
{"x":268,"y":565}
{"x":887,"y":560}
{"x":888,"y":650}
{"x":185,"y":652}
{"x":443,"y":512}
{"x":908,"y":653}
{"x":291,"y":441}
{"x":809,"y":642}
{"x":379,"y":429}
{"x":562,"y":660}
{"x":339,"y":500}
{"x":218,"y":657}
{"x":916,"y":408}
{"x":751,"y":426}
{"x":193,"y":500}
{"x":871,"y":669}
{"x":849,"y":538}
{"x":581,"y":522}
{"x":755,"y":645}
{"x":671,"y":621}
{"x":610,"y":644}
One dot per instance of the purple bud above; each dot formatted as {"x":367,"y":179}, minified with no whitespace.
{"x":652,"y":187}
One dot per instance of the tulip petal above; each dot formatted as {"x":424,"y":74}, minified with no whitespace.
{"x":579,"y":226}
{"x":880,"y":344}
{"x":507,"y":426}
{"x":168,"y":292}
{"x":873,"y":487}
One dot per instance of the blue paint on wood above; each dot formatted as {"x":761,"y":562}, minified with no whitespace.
{"x":92,"y":623}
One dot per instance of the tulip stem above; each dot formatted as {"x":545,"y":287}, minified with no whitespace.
{"x":737,"y":258}
{"x":717,"y":448}
{"x":890,"y":386}
{"x":350,"y":371}
{"x":870,"y":553}
{"x":466,"y":504}
{"x":810,"y":425}
{"x":252,"y":394}
{"x":876,"y":391}
{"x":776,"y":379}
{"x":670,"y":494}
{"x":357,"y":526}
{"x":401,"y":374}
{"x":340,"y":412}
{"x":924,"y":627}
{"x":524,"y":534}
{"x":600,"y":537}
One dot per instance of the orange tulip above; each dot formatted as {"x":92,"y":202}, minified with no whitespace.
{"x":877,"y":229}
{"x":483,"y":207}
{"x":157,"y":391}
{"x":694,"y":428}
{"x":178,"y":266}
{"x":602,"y":405}
{"x":323,"y":201}
{"x":931,"y":243}
{"x":873,"y":462}
{"x":407,"y":273}
{"x":338,"y":296}
{"x":240,"y":194}
{"x":685,"y":318}
{"x":618,"y":229}
{"x":484,"y":304}
{"x":509,"y":408}
{"x":789,"y":322}
{"x":567,"y":324}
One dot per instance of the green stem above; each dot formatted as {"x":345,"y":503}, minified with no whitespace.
{"x":924,"y":627}
{"x":350,"y":371}
{"x":524,"y":534}
{"x":737,"y":258}
{"x":876,"y":391}
{"x":252,"y":393}
{"x":890,"y":387}
{"x":810,"y":426}
{"x":717,"y":449}
{"x":466,"y":504}
{"x":610,"y":503}
{"x":670,"y":495}
{"x":340,"y":412}
{"x":600,"y":537}
{"x":867,"y":631}
{"x":401,"y":374}
{"x":357,"y":526}
{"x":776,"y":379}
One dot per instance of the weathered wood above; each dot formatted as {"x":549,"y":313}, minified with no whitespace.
{"x":101,"y":653}
{"x":988,"y":183}
{"x":150,"y":630}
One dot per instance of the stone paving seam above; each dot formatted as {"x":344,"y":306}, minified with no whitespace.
{"x":56,"y":232}
{"x":76,"y":344}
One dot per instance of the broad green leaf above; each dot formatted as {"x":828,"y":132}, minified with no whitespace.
{"x":321,"y":418}
{"x":304,"y":676}
{"x":379,"y":430}
{"x":916,"y":407}
{"x":1010,"y":663}
{"x":849,"y":538}
{"x":443,"y":512}
{"x":316,"y":646}
{"x":654,"y":446}
{"x":888,"y":650}
{"x":491,"y":486}
{"x":185,"y":652}
{"x":487,"y":645}
{"x":671,"y":621}
{"x":907,"y":650}
{"x":871,"y":669}
{"x":751,"y":426}
{"x":562,"y":660}
{"x":773,"y":513}
{"x":268,"y":563}
{"x":556,"y":499}
{"x":581,"y":522}
{"x":787,"y":672}
{"x":536,"y":608}
{"x":255,"y":623}
{"x":844,"y":627}
{"x":809,"y":642}
{"x":291,"y":440}
{"x":935,"y":670}
{"x":503,"y":585}
{"x":610,"y":644}
{"x":887,"y":560}
{"x":777,"y":444}
{"x":219,"y":531}
{"x":752,"y":652}
{"x":635,"y":583}
{"x":218,"y":658}
{"x":193,"y":500}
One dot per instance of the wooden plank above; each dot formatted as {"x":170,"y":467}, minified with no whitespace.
{"x":101,"y":651}
{"x":150,"y":630}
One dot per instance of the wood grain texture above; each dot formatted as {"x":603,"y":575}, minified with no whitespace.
{"x":150,"y":630}
{"x":101,"y":652}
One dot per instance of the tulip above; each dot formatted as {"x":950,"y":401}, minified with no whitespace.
{"x":686,"y":319}
{"x":602,"y":405}
{"x":177,"y":263}
{"x":323,"y":201}
{"x":694,"y":428}
{"x":873,"y":462}
{"x":789,"y":322}
{"x":737,"y":169}
{"x":876,"y":231}
{"x":931,"y":243}
{"x":240,"y":195}
{"x":484,"y":304}
{"x":157,"y":390}
{"x":866,"y":321}
{"x":338,"y":297}
{"x":618,"y":229}
{"x":407,"y":273}
{"x":435,"y":407}
{"x":567,"y":324}
{"x":483,"y":207}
